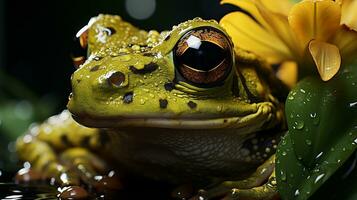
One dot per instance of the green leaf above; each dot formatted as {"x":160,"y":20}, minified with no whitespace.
{"x":322,"y":121}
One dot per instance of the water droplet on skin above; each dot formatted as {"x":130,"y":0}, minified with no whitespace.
{"x":124,"y":58}
{"x":142,"y":101}
{"x":308,"y":142}
{"x":297,"y":192}
{"x":219,"y":108}
{"x":283,"y":153}
{"x":299,"y":124}
{"x":291,"y":116}
{"x":245,"y":152}
{"x":291,"y":98}
{"x":302,"y":91}
{"x":267,"y":149}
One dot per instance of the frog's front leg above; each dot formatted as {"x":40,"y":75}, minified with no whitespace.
{"x":63,"y":150}
{"x":261,"y":185}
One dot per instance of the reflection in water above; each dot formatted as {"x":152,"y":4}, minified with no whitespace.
{"x":26,"y":192}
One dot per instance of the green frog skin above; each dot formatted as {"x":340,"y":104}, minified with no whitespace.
{"x":178,"y":106}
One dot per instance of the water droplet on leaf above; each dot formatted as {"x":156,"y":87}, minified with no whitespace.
{"x":308,"y":142}
{"x":299,"y":124}
{"x":319,"y":177}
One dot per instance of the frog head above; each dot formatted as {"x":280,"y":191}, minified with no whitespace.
{"x":186,"y":78}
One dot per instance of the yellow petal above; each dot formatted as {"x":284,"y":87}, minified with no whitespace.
{"x":349,"y":14}
{"x":346,"y":40}
{"x":249,"y":35}
{"x":248,"y":6}
{"x":281,"y":28}
{"x":311,"y":19}
{"x":278,"y":6}
{"x":288,"y":73}
{"x":326,"y":57}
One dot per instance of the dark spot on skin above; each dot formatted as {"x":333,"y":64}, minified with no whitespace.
{"x":128,"y":97}
{"x":148,"y":68}
{"x":192,"y":104}
{"x":103,"y":137}
{"x":122,"y":54}
{"x":116,"y":79}
{"x":225,"y":121}
{"x":85,"y":141}
{"x":167,"y":37}
{"x":163,"y":103}
{"x":95,"y":68}
{"x":169,"y":86}
{"x":149,"y":54}
{"x":79,"y":80}
{"x":65,"y":140}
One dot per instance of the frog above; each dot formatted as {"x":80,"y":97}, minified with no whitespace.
{"x":180,"y":106}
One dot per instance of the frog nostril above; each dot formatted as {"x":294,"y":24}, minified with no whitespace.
{"x":116,"y":79}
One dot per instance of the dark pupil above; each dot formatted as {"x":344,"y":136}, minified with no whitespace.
{"x":205,"y":58}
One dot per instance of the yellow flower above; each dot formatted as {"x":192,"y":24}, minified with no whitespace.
{"x":317,"y":32}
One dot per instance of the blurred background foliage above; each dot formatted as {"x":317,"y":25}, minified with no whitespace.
{"x":35,"y":45}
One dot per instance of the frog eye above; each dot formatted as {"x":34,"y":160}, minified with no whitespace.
{"x":80,"y":46}
{"x":204,"y":57}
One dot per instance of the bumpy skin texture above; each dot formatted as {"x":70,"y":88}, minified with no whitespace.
{"x":147,"y":117}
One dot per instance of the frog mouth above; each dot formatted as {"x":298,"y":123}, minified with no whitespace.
{"x":263,"y":117}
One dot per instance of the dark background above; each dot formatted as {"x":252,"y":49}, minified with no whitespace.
{"x":35,"y":46}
